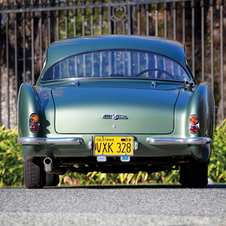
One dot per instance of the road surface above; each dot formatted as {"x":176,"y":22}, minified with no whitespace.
{"x":118,"y":205}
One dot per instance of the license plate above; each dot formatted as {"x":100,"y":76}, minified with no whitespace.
{"x":113,"y":145}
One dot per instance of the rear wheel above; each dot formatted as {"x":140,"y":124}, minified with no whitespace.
{"x":34,"y":175}
{"x":194,"y":174}
{"x":52,"y":179}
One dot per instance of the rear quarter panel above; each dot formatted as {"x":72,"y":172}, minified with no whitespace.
{"x":200,"y":102}
{"x":28,"y":103}
{"x":35,"y":100}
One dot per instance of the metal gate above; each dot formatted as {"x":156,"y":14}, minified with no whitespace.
{"x":28,"y":27}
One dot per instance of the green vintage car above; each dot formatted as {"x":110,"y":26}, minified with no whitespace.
{"x":115,"y":104}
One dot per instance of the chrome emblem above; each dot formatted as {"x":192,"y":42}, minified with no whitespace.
{"x":153,"y":84}
{"x":114,"y":116}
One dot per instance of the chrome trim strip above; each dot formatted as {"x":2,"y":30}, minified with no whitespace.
{"x":179,"y":141}
{"x":52,"y":141}
{"x":103,"y":78}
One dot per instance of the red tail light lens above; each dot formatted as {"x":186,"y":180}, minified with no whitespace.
{"x":34,"y":128}
{"x":194,"y":119}
{"x":194,"y":129}
{"x":34,"y":118}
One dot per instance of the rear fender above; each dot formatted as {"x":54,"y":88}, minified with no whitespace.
{"x":202,"y":104}
{"x":28,"y":103}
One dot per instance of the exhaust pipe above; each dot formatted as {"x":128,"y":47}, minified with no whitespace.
{"x":48,"y":167}
{"x":48,"y":164}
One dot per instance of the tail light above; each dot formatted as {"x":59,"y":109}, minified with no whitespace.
{"x":34,"y":118}
{"x":194,"y":129}
{"x":34,"y":126}
{"x":194,"y":120}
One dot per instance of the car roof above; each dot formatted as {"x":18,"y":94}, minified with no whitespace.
{"x":63,"y":48}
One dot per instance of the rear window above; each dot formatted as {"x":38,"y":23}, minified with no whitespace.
{"x":116,"y":63}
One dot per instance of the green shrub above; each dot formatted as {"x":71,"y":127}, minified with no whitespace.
{"x":11,"y":163}
{"x":99,"y":178}
{"x":217,"y":164}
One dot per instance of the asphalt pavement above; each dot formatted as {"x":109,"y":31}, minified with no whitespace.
{"x":113,"y":205}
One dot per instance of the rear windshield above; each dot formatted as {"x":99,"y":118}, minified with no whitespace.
{"x":116,"y":63}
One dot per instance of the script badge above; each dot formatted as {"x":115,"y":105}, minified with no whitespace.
{"x":114,"y":116}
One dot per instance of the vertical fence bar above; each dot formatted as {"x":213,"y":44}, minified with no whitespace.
{"x":193,"y":6}
{"x":174,"y":20}
{"x":24,"y":47}
{"x":101,"y":19}
{"x":212,"y":4}
{"x":147,"y":9}
{"x":123,"y":27}
{"x":109,"y":63}
{"x":7,"y":61}
{"x":57,"y":21}
{"x":49,"y":23}
{"x":147,"y":61}
{"x":109,"y":19}
{"x":124,"y":63}
{"x":68,"y":70}
{"x":156,"y":18}
{"x":101,"y":64}
{"x":115,"y":27}
{"x":15,"y":50}
{"x":66,"y":20}
{"x":156,"y":65}
{"x":129,"y":18}
{"x":202,"y":5}
{"x":130,"y":63}
{"x":83,"y":17}
{"x":91,"y":16}
{"x":60,"y":70}
{"x":166,"y":8}
{"x":138,"y":18}
{"x":40,"y":34}
{"x":75,"y":15}
{"x":222,"y":55}
{"x":184,"y":6}
{"x":83,"y":25}
{"x":76,"y":67}
{"x":138,"y":62}
{"x":32,"y":45}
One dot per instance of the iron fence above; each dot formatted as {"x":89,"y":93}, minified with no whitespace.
{"x":28,"y":27}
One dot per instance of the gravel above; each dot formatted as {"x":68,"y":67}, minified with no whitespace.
{"x":132,"y":205}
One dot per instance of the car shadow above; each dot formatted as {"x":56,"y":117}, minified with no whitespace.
{"x":149,"y":186}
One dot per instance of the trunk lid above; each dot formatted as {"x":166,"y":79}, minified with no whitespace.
{"x":80,"y":110}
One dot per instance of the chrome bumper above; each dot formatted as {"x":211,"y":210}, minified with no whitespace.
{"x":51,"y":141}
{"x":149,"y":140}
{"x":179,"y":141}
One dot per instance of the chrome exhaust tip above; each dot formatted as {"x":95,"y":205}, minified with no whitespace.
{"x":48,"y":164}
